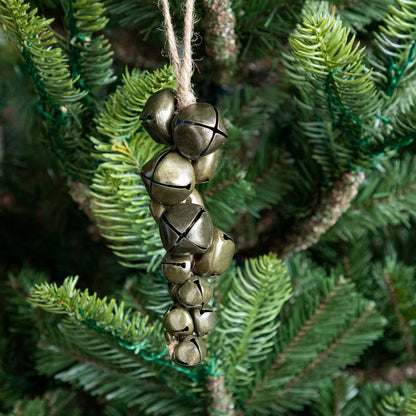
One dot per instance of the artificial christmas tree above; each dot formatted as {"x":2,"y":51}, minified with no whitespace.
{"x":315,"y":183}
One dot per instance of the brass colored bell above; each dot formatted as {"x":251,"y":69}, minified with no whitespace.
{"x":194,"y":293}
{"x":204,"y":320}
{"x":173,"y":291}
{"x":176,"y":269}
{"x":157,"y":209}
{"x":178,"y":321}
{"x":185,"y":229}
{"x":190,"y":352}
{"x":205,"y":167}
{"x":157,"y":115}
{"x":217,"y":259}
{"x":169,"y":178}
{"x":194,"y":198}
{"x":198,"y":130}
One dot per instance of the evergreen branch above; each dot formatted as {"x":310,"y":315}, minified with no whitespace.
{"x":395,"y":46}
{"x":388,"y":198}
{"x":222,"y":401}
{"x":101,"y":367}
{"x":332,"y":207}
{"x":91,"y":57}
{"x":402,"y":321}
{"x":317,"y":345}
{"x":130,"y":329}
{"x":60,"y":100}
{"x":221,"y":42}
{"x":410,"y":406}
{"x":346,"y":337}
{"x":249,"y":318}
{"x":120,"y":200}
{"x":392,"y":405}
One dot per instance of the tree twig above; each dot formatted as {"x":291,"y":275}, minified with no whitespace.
{"x":222,"y":402}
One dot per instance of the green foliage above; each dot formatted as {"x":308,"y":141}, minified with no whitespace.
{"x":327,"y":328}
{"x":121,"y":203}
{"x":128,"y":328}
{"x":387,"y":197}
{"x":248,"y":314}
{"x":60,"y":99}
{"x":339,"y":98}
{"x":395,"y":48}
{"x":91,"y":55}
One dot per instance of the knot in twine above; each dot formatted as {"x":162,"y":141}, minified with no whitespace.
{"x":183,"y":67}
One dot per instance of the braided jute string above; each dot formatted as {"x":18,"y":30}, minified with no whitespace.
{"x":183,"y":67}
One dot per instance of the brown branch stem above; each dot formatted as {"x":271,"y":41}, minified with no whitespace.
{"x":220,"y":38}
{"x":222,"y":402}
{"x":332,"y":207}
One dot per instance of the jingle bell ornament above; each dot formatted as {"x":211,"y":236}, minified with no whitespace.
{"x":198,"y":130}
{"x":217,"y":259}
{"x":169,"y":178}
{"x":204,"y":320}
{"x":205,"y":167}
{"x":178,"y":321}
{"x":176,"y":269}
{"x":185,"y":229}
{"x":173,"y":291}
{"x":157,"y":209}
{"x":157,"y":115}
{"x":194,"y":293}
{"x":190,"y":352}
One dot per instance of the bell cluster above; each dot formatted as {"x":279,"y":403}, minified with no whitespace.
{"x":195,"y":249}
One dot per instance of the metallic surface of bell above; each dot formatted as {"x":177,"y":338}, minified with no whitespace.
{"x":198,"y":130}
{"x":156,"y":210}
{"x":194,"y":293}
{"x":190,"y":352}
{"x":194,"y":198}
{"x":176,"y":269}
{"x":169,"y":178}
{"x":178,"y":321}
{"x":204,"y":320}
{"x":157,"y":115}
{"x":173,"y":291}
{"x":186,"y":229}
{"x":217,"y":259}
{"x":206,"y":166}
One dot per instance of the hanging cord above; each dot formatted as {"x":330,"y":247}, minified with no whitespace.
{"x":183,"y":67}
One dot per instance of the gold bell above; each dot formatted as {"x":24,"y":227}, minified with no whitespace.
{"x":204,"y":320}
{"x":185,"y":229}
{"x":157,"y":115}
{"x":176,"y":269}
{"x":198,"y":130}
{"x":194,"y":293}
{"x":217,"y":259}
{"x":178,"y":321}
{"x":169,"y":178}
{"x":205,"y":167}
{"x":190,"y":352}
{"x":157,"y":209}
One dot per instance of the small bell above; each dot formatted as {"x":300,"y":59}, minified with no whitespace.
{"x":204,"y":320}
{"x":157,"y":209}
{"x":205,"y":167}
{"x":176,"y":269}
{"x":198,"y":130}
{"x":195,"y":198}
{"x":185,"y":229}
{"x":169,"y":178}
{"x":157,"y":115}
{"x":173,"y":291}
{"x":217,"y":259}
{"x":194,"y":293}
{"x":178,"y":321}
{"x":190,"y":352}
